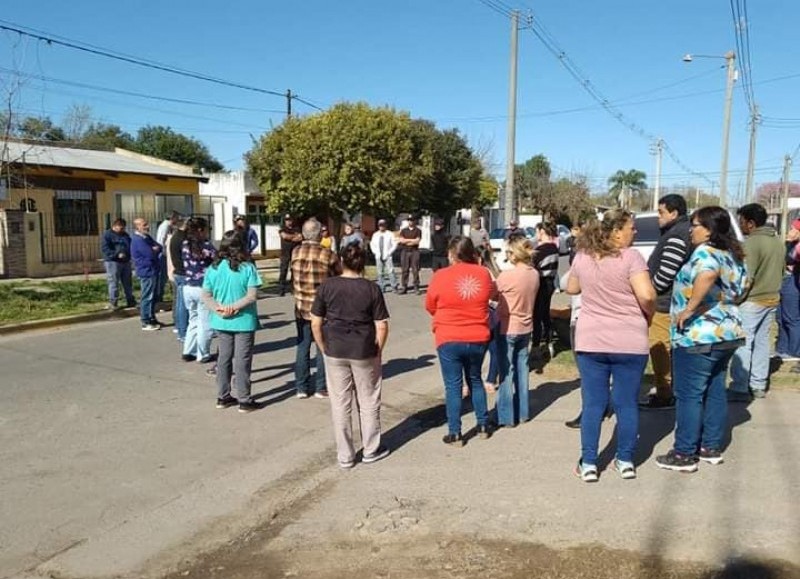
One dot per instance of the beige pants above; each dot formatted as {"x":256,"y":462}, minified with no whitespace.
{"x":660,"y":355}
{"x":356,"y":381}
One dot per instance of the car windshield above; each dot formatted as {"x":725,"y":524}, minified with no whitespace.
{"x":647,"y":230}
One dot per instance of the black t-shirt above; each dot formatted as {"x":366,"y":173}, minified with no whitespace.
{"x":175,"y":247}
{"x":408,"y":233}
{"x":350,"y":307}
{"x":288,"y":246}
{"x":439,"y":242}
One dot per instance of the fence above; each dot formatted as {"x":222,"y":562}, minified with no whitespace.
{"x":75,"y":237}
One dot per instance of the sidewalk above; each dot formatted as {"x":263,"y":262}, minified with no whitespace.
{"x":116,"y":464}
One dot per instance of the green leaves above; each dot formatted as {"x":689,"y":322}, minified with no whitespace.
{"x":356,"y":158}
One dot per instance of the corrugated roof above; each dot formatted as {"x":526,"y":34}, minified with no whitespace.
{"x":107,"y":161}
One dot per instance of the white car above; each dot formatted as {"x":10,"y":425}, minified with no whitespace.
{"x":648,"y":232}
{"x":497,"y":240}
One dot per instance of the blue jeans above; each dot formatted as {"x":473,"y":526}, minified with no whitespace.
{"x":302,"y":367}
{"x":462,"y":360}
{"x":789,"y":318}
{"x":385,"y":271}
{"x":512,"y":398}
{"x":161,"y":278}
{"x":198,"y":331}
{"x":119,"y":273}
{"x":180,"y":314}
{"x":750,"y":363}
{"x":701,"y":403}
{"x":147,"y":303}
{"x":623,"y":373}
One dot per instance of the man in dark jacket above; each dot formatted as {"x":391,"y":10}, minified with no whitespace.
{"x":180,"y":315}
{"x":290,"y":238}
{"x":146,"y":255}
{"x":439,"y":241}
{"x":116,"y":249}
{"x":673,"y":249}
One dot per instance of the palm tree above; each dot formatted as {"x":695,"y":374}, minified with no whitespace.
{"x":623,"y":184}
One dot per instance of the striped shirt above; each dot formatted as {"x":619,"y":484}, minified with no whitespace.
{"x":545,"y":260}
{"x":673,"y":256}
{"x":311,"y":265}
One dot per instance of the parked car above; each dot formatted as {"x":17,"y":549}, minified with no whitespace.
{"x":648,"y":232}
{"x":497,"y":239}
{"x":563,"y":236}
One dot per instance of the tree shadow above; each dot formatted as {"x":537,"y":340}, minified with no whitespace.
{"x":545,"y":395}
{"x":398,"y":366}
{"x":738,"y":414}
{"x":751,"y":569}
{"x":265,"y":347}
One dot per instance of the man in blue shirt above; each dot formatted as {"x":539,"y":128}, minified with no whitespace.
{"x":146,"y":254}
{"x":116,"y":249}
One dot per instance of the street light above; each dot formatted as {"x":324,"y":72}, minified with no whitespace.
{"x":730,"y":58}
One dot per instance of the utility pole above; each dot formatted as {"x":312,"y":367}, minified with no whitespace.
{"x":657,"y":190}
{"x":787,"y":163}
{"x":510,"y":205}
{"x":751,"y":158}
{"x":289,"y":104}
{"x":730,"y":57}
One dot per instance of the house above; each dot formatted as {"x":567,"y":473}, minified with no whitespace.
{"x":69,"y":196}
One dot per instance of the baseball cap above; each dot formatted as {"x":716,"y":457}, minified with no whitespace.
{"x":239,"y":217}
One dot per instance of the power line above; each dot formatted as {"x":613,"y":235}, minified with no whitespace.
{"x":138,"y":61}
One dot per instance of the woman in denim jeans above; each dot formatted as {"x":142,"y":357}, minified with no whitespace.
{"x":517,"y":288}
{"x":197,"y":254}
{"x":458,"y":299}
{"x":611,"y":343}
{"x":706,"y":330}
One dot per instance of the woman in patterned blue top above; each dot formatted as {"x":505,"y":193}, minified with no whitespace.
{"x":706,"y":330}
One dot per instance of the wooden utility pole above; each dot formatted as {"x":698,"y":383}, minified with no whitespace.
{"x":787,"y":163}
{"x":751,"y":158}
{"x":289,"y":104}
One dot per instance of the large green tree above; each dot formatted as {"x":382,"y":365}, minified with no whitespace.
{"x":164,"y":143}
{"x":356,"y":158}
{"x":103,"y":136}
{"x":532,"y":184}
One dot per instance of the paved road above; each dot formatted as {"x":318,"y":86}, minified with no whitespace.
{"x":116,"y":463}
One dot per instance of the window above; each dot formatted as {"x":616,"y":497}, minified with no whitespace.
{"x":75,"y":213}
{"x":129,"y":205}
{"x":206,"y":204}
{"x":166,"y":204}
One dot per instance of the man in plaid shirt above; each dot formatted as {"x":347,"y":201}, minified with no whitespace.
{"x":311,"y":265}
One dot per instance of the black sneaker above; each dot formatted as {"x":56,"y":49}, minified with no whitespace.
{"x":249,"y":406}
{"x":574,"y":423}
{"x":226,"y":402}
{"x":675,"y":461}
{"x":453,"y":439}
{"x":484,"y":431}
{"x":653,"y":402}
{"x":710,"y":455}
{"x":380,"y":454}
{"x":188,"y":358}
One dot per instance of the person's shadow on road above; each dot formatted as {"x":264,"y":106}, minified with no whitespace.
{"x":398,"y":366}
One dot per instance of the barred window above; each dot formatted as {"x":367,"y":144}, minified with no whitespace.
{"x":75,"y":213}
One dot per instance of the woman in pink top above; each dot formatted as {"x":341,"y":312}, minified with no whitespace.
{"x":517,"y":288}
{"x":617,"y":302}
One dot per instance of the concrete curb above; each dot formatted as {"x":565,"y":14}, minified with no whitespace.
{"x":66,"y":321}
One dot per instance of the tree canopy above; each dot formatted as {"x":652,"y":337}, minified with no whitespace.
{"x":563,"y":200}
{"x":356,"y":158}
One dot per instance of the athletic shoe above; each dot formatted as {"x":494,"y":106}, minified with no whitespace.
{"x":484,"y":431}
{"x":347,"y":464}
{"x":249,"y":406}
{"x":789,"y":358}
{"x":380,"y":454}
{"x":151,"y":327}
{"x":206,"y":360}
{"x":574,"y":423}
{"x":710,"y":455}
{"x":453,"y":439}
{"x":758,"y":393}
{"x":212,"y":371}
{"x":321,"y":394}
{"x":653,"y":402}
{"x":188,"y":357}
{"x":675,"y":461}
{"x":586,"y":472}
{"x":625,"y":469}
{"x":174,"y":330}
{"x":736,"y":396}
{"x":226,"y":402}
{"x":302,"y":395}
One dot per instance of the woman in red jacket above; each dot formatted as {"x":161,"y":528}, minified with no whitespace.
{"x":458,"y":299}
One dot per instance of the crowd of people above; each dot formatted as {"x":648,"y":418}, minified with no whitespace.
{"x":702,"y":304}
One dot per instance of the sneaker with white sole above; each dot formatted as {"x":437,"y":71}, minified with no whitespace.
{"x":346,"y":464}
{"x":302,"y":395}
{"x":586,"y":472}
{"x":676,"y":461}
{"x":380,"y":454}
{"x":151,"y":327}
{"x":625,"y":469}
{"x":710,"y":456}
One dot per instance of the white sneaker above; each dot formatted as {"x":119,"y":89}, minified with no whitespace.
{"x":625,"y":469}
{"x":586,"y":472}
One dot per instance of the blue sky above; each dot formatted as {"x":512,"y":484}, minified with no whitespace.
{"x":444,"y":60}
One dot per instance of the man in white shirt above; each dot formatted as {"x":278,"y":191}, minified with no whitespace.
{"x":382,"y":245}
{"x":164,"y":229}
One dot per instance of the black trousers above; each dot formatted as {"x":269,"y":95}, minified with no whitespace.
{"x":409,"y":261}
{"x":542,"y":326}
{"x":286,"y":260}
{"x":440,"y":261}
